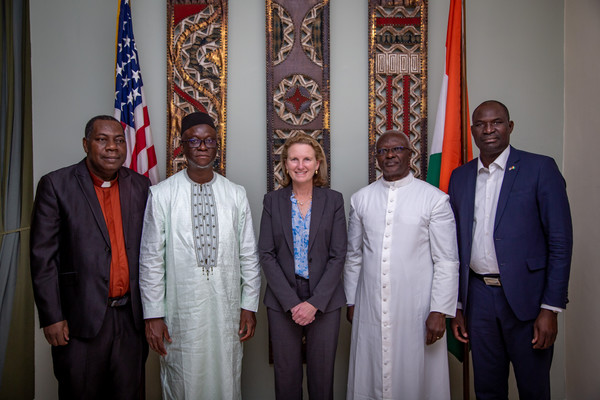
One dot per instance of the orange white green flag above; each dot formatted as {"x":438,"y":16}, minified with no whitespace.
{"x":446,"y":146}
{"x":447,"y":143}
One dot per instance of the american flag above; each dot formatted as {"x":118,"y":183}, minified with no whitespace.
{"x":130,"y":103}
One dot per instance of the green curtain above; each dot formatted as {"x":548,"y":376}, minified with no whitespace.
{"x":16,"y":198}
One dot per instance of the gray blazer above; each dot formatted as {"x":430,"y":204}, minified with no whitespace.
{"x":326,"y":250}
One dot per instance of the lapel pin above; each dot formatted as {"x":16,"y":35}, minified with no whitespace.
{"x":511,"y":168}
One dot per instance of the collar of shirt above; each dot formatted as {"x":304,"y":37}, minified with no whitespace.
{"x":499,"y":162}
{"x":214,"y":178}
{"x":400,"y":182}
{"x":102,"y":183}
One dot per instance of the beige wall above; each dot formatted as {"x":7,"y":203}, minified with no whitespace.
{"x":582,"y":171}
{"x":515,"y":54}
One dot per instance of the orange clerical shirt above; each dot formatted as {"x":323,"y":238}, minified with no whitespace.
{"x":108,"y":196}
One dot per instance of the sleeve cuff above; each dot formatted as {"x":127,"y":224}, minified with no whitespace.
{"x":154,"y":310}
{"x":250,"y":304}
{"x":551,"y":308}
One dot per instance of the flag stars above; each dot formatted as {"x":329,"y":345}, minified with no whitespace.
{"x":129,"y":97}
{"x":124,"y":63}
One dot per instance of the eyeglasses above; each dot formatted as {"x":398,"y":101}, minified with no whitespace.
{"x":193,"y":143}
{"x":394,"y":150}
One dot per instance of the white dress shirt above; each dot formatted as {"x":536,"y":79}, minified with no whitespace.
{"x":487,"y":191}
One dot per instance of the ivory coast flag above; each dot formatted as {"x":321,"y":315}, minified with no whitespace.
{"x":446,"y":146}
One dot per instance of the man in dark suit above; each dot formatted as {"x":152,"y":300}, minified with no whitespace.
{"x":515,"y":242}
{"x":85,"y":239}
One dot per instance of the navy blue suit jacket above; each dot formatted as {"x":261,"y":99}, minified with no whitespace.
{"x":326,"y":250}
{"x":532,"y":231}
{"x":71,"y":252}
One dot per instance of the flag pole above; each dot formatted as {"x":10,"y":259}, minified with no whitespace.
{"x":463,"y":88}
{"x":465,"y":158}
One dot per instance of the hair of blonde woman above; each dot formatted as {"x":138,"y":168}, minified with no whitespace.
{"x":320,"y":178}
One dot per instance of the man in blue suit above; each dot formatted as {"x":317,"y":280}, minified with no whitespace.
{"x":515,"y":241}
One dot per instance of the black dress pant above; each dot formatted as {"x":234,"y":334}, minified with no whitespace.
{"x":321,"y":344}
{"x":108,"y":366}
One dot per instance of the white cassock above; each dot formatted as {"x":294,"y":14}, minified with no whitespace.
{"x":402,"y":263}
{"x":202,"y":312}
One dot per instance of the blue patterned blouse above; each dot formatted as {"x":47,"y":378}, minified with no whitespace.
{"x":300,"y":231}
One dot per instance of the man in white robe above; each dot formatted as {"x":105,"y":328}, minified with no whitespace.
{"x":401,"y":281}
{"x":199,"y":273}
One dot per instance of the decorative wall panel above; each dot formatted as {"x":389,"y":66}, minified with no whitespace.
{"x":196,"y":71}
{"x":398,"y":77}
{"x":297,"y":77}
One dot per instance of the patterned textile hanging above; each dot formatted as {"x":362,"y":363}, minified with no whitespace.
{"x":297,"y":77}
{"x":398,"y":77}
{"x":196,"y":71}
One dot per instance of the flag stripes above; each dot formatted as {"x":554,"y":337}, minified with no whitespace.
{"x":130,"y":102}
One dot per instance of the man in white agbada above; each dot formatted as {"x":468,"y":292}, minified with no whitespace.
{"x":401,"y":281}
{"x":199,"y":273}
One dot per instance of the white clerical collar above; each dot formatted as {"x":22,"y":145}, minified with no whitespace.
{"x":400,"y":182}
{"x":500,"y":161}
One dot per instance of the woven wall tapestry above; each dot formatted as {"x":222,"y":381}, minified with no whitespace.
{"x":196,"y":71}
{"x":297,"y":77}
{"x":398,"y":77}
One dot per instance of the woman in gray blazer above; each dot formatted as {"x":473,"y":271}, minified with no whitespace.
{"x":302,"y":248}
